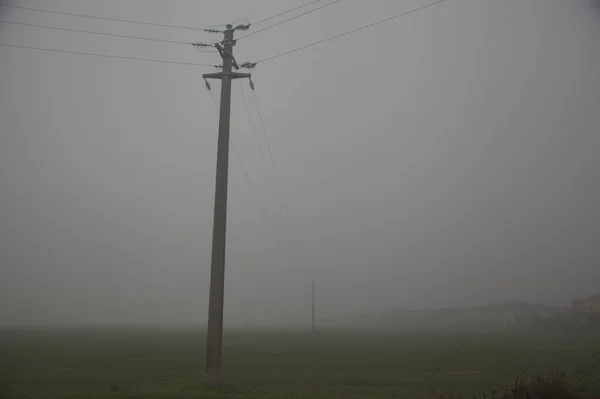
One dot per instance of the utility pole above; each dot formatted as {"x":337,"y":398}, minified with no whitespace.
{"x":214,"y":339}
{"x":313,"y":307}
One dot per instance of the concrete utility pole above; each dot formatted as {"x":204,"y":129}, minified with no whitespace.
{"x":214,"y":339}
{"x":313,"y":307}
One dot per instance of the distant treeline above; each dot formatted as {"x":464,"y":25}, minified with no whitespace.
{"x":508,"y":316}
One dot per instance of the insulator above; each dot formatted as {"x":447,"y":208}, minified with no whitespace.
{"x":242,"y":27}
{"x":251,"y":84}
{"x":207,"y":84}
{"x":248,"y":65}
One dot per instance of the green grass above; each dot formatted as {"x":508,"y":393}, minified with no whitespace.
{"x":169,"y":364}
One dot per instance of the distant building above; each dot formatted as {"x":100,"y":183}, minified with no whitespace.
{"x":587,"y":305}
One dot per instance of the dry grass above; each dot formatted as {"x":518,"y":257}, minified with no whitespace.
{"x":542,"y":386}
{"x":553,"y":385}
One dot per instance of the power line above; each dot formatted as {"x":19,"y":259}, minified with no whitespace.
{"x":291,"y":19}
{"x":236,"y":22}
{"x":351,"y":31}
{"x":246,"y":174}
{"x":102,"y":18}
{"x":272,"y":16}
{"x":235,"y":150}
{"x":254,"y":130}
{"x":95,"y":33}
{"x":262,"y":122}
{"x":205,"y":51}
{"x":286,"y":12}
{"x":104,"y":55}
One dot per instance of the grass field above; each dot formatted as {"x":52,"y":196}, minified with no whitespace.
{"x":169,"y":364}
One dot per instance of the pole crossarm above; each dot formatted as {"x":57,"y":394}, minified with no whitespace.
{"x":232,"y":75}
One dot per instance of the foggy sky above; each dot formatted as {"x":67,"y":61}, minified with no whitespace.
{"x":447,"y":158}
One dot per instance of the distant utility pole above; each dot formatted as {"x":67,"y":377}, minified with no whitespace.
{"x":214,"y":339}
{"x":313,"y":307}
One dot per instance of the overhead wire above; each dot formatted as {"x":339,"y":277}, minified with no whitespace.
{"x":236,"y":22}
{"x":286,"y":12}
{"x":207,"y":65}
{"x":254,"y":130}
{"x":103,"y":18}
{"x":263,"y":213}
{"x":350,"y":32}
{"x":205,"y":51}
{"x":95,"y":33}
{"x":104,"y":55}
{"x":290,"y":19}
{"x":278,"y":14}
{"x":235,"y":150}
{"x":262,"y":122}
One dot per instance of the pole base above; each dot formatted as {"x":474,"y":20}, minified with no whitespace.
{"x":211,"y":380}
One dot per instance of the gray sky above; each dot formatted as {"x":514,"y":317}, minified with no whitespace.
{"x":446,"y":158}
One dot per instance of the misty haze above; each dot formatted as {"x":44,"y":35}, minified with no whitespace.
{"x":394,"y":167}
